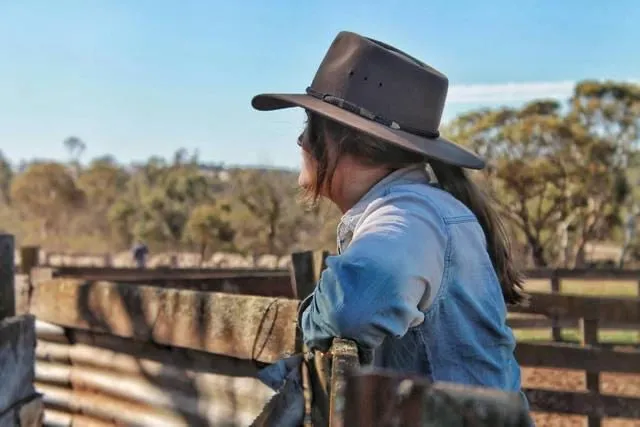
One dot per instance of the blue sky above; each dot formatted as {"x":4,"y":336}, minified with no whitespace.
{"x":135,"y":78}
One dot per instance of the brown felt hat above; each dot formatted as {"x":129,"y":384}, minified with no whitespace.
{"x":380,"y":90}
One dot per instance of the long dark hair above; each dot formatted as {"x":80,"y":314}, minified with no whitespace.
{"x":455,"y":180}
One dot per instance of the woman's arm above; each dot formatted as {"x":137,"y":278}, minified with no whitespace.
{"x":374,"y":288}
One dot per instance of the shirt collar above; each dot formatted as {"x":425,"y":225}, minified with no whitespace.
{"x":407,"y":175}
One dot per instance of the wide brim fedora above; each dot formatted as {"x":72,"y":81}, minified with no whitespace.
{"x":379,"y":90}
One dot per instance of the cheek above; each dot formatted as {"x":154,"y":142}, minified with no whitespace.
{"x":307,"y":170}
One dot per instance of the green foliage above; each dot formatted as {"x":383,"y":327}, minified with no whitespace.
{"x":560,"y":177}
{"x":210,"y":227}
{"x":177,"y":204}
{"x":46,"y":193}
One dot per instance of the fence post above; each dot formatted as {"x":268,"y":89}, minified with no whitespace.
{"x":556,"y":330}
{"x":29,"y":258}
{"x":303,"y":281}
{"x":7,"y":271}
{"x":303,"y":277}
{"x":344,"y":362}
{"x":589,"y":337}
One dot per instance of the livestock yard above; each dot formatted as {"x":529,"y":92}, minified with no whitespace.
{"x":181,"y":346}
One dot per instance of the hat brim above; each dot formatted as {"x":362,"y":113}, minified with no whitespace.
{"x":438,"y":148}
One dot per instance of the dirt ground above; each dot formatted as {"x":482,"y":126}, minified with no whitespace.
{"x":555,"y":379}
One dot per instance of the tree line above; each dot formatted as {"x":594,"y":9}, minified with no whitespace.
{"x":563,"y":174}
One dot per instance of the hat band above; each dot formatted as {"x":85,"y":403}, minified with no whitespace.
{"x":363,"y":112}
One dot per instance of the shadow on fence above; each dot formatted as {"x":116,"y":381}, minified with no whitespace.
{"x":112,"y":333}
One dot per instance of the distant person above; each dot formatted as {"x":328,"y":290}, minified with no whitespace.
{"x":424,"y":270}
{"x":140,"y":252}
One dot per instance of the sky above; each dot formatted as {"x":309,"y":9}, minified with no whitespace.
{"x":138,"y":78}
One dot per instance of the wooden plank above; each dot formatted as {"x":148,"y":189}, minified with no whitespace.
{"x":379,"y":398}
{"x":276,"y":284}
{"x":583,"y":273}
{"x":581,"y":403}
{"x":303,"y":274}
{"x":50,"y":332}
{"x":575,"y":306}
{"x":7,"y":267}
{"x":161,"y":273}
{"x":568,"y":356}
{"x":245,"y":327}
{"x":268,"y":286}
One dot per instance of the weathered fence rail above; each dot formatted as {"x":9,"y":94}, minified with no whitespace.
{"x":162,"y":273}
{"x":260,"y":283}
{"x":247,"y":327}
{"x":33,"y":255}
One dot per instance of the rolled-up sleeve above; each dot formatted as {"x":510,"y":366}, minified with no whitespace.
{"x":375,"y":287}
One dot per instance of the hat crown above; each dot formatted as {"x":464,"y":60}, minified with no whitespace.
{"x":383,"y":80}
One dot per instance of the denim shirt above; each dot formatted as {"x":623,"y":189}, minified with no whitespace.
{"x":414,"y":286}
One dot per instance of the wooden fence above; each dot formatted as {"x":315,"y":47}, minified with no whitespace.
{"x":138,"y":314}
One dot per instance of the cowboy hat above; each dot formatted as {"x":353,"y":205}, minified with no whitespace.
{"x":377,"y":89}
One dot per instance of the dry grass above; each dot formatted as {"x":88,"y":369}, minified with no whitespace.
{"x":570,"y":380}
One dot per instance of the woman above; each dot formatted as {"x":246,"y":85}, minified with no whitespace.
{"x":424,"y":271}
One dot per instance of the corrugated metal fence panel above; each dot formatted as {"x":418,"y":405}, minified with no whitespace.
{"x":100,"y":379}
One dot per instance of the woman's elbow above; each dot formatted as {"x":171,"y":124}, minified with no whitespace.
{"x":368,"y":329}
{"x":319,"y":327}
